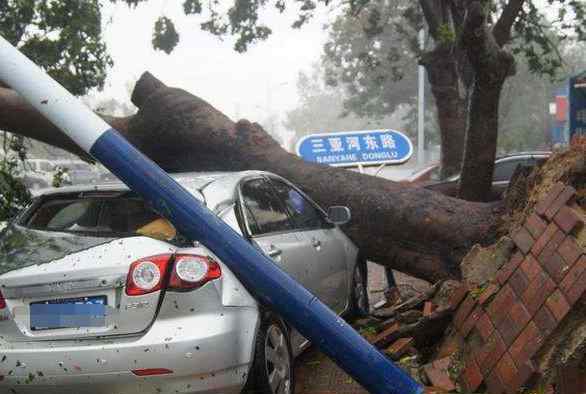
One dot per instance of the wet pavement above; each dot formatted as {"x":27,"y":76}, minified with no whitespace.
{"x":316,"y":374}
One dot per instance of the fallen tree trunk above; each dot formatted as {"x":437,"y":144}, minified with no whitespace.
{"x":413,"y":230}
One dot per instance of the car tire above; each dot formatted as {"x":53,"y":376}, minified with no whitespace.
{"x":272,"y":369}
{"x":359,"y":303}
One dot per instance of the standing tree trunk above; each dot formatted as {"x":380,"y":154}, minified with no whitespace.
{"x":443,"y":74}
{"x":492,"y":66}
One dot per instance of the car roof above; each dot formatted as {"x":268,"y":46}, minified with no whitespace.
{"x":224,"y":183}
{"x":523,"y":154}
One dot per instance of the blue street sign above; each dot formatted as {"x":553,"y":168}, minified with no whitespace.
{"x":578,"y":105}
{"x":351,"y":148}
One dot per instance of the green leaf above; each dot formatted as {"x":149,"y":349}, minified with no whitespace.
{"x":165,"y":37}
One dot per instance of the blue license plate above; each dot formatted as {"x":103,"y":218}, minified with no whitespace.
{"x":68,"y":313}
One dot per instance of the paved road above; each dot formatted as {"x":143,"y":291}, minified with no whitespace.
{"x":316,"y":374}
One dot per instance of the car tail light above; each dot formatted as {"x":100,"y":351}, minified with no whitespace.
{"x":151,"y":371}
{"x":147,"y":275}
{"x":2,"y":301}
{"x":193,"y":271}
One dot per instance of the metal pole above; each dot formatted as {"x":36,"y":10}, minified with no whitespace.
{"x":269,"y":284}
{"x":421,"y":107}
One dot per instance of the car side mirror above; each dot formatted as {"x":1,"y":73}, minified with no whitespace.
{"x":339,"y":215}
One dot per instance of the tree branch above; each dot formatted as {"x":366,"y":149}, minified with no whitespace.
{"x":431,"y":16}
{"x":19,"y":117}
{"x":503,"y":27}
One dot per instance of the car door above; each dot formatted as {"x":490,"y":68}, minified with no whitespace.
{"x":268,"y":225}
{"x":330,"y":271}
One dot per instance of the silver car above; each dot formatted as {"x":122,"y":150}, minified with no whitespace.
{"x":100,"y":294}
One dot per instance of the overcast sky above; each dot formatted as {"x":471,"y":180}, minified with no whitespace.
{"x":249,"y":85}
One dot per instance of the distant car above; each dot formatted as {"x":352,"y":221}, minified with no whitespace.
{"x":38,"y":173}
{"x":100,"y":294}
{"x":504,"y":168}
{"x":78,"y":173}
{"x":431,"y":172}
{"x":35,"y":181}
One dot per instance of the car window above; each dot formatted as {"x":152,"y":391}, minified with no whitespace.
{"x":100,"y":215}
{"x":45,"y":166}
{"x":434,"y":175}
{"x":303,"y":213}
{"x":503,"y":171}
{"x":262,"y":210}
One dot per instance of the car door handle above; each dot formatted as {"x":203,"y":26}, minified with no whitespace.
{"x":316,"y":243}
{"x":274,"y":252}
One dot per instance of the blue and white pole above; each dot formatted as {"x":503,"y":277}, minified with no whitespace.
{"x":269,"y":284}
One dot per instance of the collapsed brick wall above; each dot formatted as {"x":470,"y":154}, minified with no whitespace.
{"x":505,"y":323}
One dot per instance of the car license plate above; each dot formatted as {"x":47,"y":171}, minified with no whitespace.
{"x":68,"y":313}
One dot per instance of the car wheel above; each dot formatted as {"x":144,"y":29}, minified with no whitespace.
{"x":272,"y":370}
{"x":360,"y":305}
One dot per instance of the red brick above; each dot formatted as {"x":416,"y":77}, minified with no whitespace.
{"x":573,"y":275}
{"x":567,"y":219}
{"x":519,"y":282}
{"x":526,"y":373}
{"x":399,"y":347}
{"x":426,"y":390}
{"x":523,"y":239}
{"x":500,"y":303}
{"x":564,"y":198}
{"x":458,"y":296}
{"x":552,"y":246}
{"x":535,"y":225}
{"x":507,"y":270}
{"x":569,"y":250}
{"x":545,"y":321}
{"x":384,"y":338}
{"x":558,"y":305}
{"x":488,"y":355}
{"x":464,"y":310}
{"x":442,"y":363}
{"x":507,"y":371}
{"x":527,"y":344}
{"x":540,"y":243}
{"x":577,"y":289}
{"x":471,"y":377}
{"x":556,"y":267}
{"x":511,"y":327}
{"x":530,"y":267}
{"x":494,"y":384}
{"x":439,"y":378}
{"x":555,"y":191}
{"x":487,"y":293}
{"x":539,"y":289}
{"x":471,"y":321}
{"x":428,"y":308}
{"x":484,"y":327}
{"x":572,"y":381}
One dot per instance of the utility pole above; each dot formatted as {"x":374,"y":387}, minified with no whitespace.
{"x":421,"y":107}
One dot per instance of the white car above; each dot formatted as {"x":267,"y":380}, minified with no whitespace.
{"x":100,"y":294}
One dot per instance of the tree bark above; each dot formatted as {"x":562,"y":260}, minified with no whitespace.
{"x":492,"y":65}
{"x":443,"y":75}
{"x":413,"y":230}
{"x":19,"y":117}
